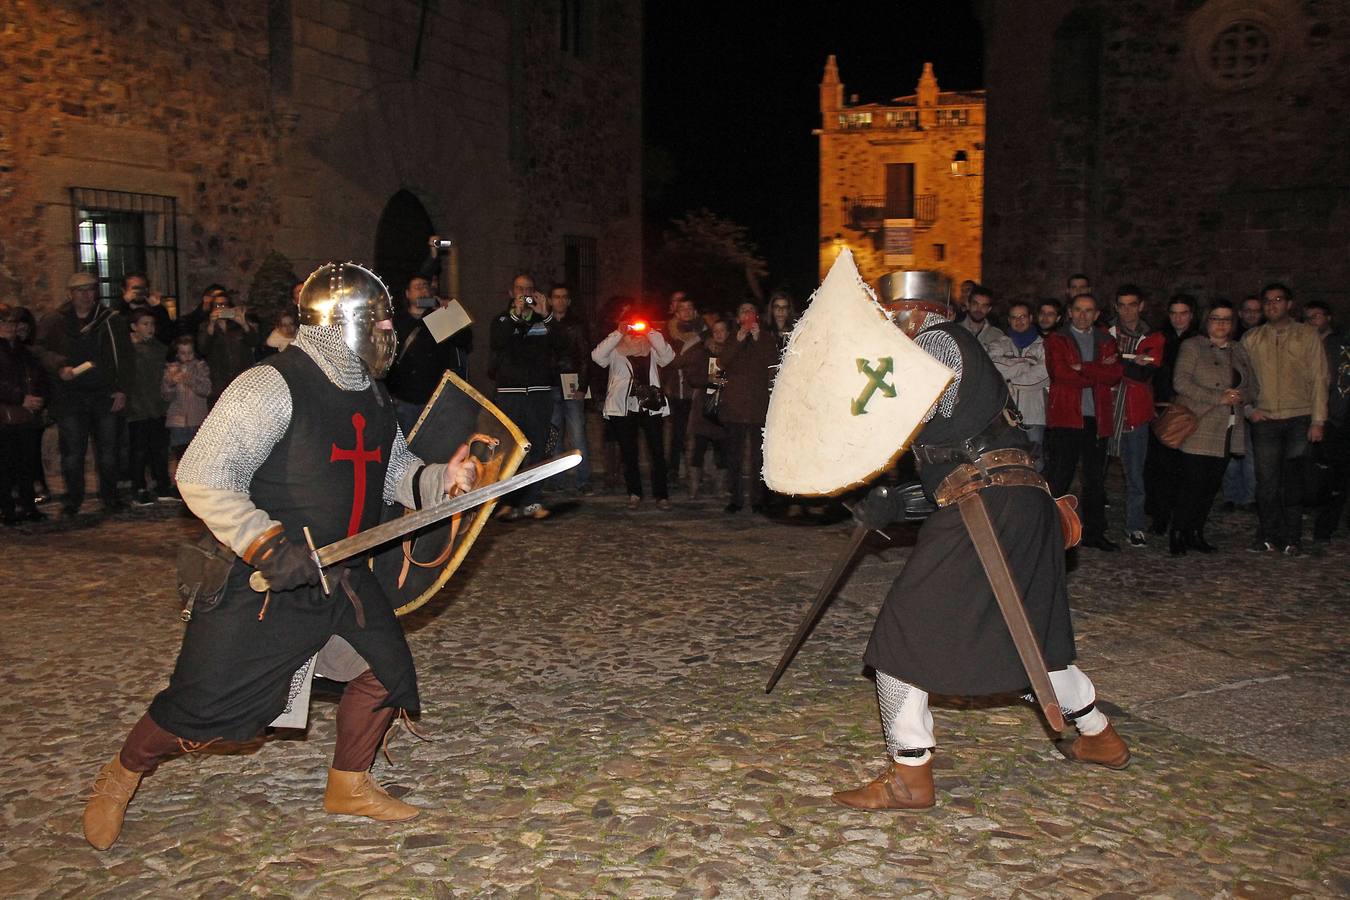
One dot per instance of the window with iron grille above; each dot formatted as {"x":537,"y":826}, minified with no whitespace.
{"x":115,"y":233}
{"x":579,"y":271}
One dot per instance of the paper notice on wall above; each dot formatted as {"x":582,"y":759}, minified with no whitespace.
{"x":447,"y":320}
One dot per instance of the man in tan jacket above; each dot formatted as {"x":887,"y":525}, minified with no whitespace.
{"x":1290,"y":412}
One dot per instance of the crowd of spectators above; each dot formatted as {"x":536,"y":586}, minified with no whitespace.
{"x":1269,"y":396}
{"x":1242,"y":402}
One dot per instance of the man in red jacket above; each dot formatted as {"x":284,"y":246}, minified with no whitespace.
{"x":1084,"y":366}
{"x":1141,"y":352}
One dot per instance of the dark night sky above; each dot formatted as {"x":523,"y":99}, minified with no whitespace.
{"x":731,"y":96}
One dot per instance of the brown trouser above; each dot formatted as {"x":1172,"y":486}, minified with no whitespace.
{"x":361,"y":724}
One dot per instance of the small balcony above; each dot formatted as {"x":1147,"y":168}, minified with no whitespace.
{"x":868,"y":214}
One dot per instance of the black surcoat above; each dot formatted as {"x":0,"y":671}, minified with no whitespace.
{"x":327,"y":472}
{"x":940,"y":627}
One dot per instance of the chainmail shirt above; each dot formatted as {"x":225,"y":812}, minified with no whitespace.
{"x":248,"y":421}
{"x":941,"y":347}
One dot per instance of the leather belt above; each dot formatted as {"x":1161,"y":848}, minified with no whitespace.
{"x":1009,"y":467}
{"x":968,"y":450}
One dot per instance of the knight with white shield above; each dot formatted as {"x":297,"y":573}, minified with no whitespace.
{"x":981,"y":605}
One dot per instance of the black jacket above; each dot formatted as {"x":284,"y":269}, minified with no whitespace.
{"x":421,"y":362}
{"x":64,"y":339}
{"x":525,"y":352}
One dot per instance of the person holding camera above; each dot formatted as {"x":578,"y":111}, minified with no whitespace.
{"x":634,"y":354}
{"x":229,"y":338}
{"x":422,"y":361}
{"x":526,"y":343}
{"x":748,"y":360}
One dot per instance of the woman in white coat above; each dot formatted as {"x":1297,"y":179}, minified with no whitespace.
{"x":634,"y":354}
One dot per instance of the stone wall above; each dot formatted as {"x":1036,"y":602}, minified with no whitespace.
{"x":1191,"y":146}
{"x":167,"y":98}
{"x":290,"y":124}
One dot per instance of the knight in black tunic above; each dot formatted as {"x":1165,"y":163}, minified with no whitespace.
{"x":940,"y":629}
{"x":308,"y":438}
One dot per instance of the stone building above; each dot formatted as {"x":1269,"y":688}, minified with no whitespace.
{"x":192,"y":138}
{"x":900,"y":182}
{"x":1194,"y":145}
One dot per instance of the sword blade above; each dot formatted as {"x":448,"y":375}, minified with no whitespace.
{"x":382,"y":534}
{"x":817,"y":607}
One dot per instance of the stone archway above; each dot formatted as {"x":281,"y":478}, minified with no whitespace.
{"x":401,"y":241}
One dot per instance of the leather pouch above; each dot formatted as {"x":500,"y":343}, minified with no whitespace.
{"x":1069,"y":522}
{"x":203,"y":569}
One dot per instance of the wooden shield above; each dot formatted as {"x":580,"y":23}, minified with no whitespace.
{"x":851,"y":392}
{"x":413,"y":571}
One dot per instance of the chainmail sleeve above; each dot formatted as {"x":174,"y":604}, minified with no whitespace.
{"x":248,"y":420}
{"x":399,"y":476}
{"x":942,"y":347}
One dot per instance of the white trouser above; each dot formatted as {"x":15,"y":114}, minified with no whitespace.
{"x":908,"y":724}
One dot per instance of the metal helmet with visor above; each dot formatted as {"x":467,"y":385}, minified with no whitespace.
{"x":355,"y":299}
{"x":910,"y":296}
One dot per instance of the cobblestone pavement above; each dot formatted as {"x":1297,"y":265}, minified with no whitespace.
{"x":594,"y":686}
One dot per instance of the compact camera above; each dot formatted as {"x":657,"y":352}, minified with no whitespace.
{"x":444,"y":244}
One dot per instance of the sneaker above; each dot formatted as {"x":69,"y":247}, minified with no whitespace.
{"x":144,"y":498}
{"x":1260,"y":546}
{"x":586,"y":490}
{"x":508,"y":513}
{"x":663,"y":503}
{"x":535,"y":511}
{"x":1293,"y":550}
{"x":1136,"y":539}
{"x":634,"y":501}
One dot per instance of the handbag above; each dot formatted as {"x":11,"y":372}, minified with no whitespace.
{"x":1175,"y":425}
{"x":712,"y":407}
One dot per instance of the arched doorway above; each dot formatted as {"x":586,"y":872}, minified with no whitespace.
{"x":401,"y":241}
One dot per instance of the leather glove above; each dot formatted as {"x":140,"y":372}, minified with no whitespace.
{"x":285,"y":565}
{"x":878,"y":509}
{"x":884,"y":505}
{"x":914,"y":503}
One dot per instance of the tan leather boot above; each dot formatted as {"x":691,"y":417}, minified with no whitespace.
{"x":897,"y":787}
{"x":113,"y":790}
{"x":357,"y":794}
{"x":1104,"y":749}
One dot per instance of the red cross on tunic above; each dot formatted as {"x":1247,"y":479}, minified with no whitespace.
{"x":358,"y":456}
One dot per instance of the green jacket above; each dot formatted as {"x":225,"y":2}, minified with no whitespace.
{"x":145,"y":400}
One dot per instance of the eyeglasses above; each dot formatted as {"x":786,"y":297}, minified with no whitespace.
{"x":1228,"y":319}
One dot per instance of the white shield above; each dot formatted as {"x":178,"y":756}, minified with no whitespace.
{"x":852,"y":390}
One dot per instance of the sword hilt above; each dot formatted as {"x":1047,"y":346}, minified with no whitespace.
{"x":258,"y":581}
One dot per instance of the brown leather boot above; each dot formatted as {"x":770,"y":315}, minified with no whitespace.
{"x":113,"y":790}
{"x":357,"y":794}
{"x":1105,"y":749}
{"x":897,"y":787}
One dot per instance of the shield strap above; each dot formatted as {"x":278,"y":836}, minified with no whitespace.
{"x":995,"y":563}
